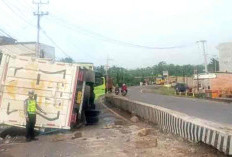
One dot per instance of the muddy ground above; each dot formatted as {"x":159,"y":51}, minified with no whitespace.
{"x":113,"y":136}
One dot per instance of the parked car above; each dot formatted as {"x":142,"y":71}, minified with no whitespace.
{"x":181,"y":87}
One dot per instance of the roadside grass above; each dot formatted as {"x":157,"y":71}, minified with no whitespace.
{"x":171,"y":91}
{"x":165,"y":90}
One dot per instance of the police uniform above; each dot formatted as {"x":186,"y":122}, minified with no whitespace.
{"x":30,"y":107}
{"x":31,"y":114}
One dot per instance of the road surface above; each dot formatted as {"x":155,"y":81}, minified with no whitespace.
{"x":112,"y":136}
{"x":220,"y":112}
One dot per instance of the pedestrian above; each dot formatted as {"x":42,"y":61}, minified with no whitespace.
{"x":30,"y":107}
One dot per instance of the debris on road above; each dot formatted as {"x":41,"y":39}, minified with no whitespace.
{"x":3,"y":150}
{"x":84,"y":139}
{"x":77,"y":135}
{"x":60,"y":137}
{"x":111,"y":126}
{"x":1,"y":140}
{"x":108,"y":139}
{"x":135,"y":119}
{"x":7,"y":141}
{"x":146,"y":143}
{"x":144,"y":132}
{"x":119,"y":122}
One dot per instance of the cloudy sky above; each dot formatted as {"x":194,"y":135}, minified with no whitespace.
{"x":90,"y":30}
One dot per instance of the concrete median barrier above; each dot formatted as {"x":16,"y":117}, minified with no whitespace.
{"x":188,"y":127}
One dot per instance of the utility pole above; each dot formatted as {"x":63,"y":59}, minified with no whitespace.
{"x":39,"y":14}
{"x":205,"y":56}
{"x":196,"y":73}
{"x":107,"y":76}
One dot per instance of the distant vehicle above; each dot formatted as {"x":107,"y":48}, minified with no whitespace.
{"x":159,"y":80}
{"x":124,"y":90}
{"x":181,"y":87}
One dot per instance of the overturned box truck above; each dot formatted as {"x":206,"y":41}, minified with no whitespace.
{"x":63,"y":90}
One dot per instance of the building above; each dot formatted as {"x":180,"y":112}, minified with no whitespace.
{"x":28,"y":49}
{"x":6,"y":40}
{"x":225,"y":57}
{"x":218,"y":84}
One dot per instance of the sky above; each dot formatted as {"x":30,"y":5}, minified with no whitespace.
{"x":92,"y":31}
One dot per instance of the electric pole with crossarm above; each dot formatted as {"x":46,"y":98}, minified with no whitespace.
{"x":39,"y":14}
{"x":204,"y":53}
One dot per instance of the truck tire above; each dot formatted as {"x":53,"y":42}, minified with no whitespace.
{"x":87,"y":92}
{"x":86,"y":97}
{"x":92,"y":113}
{"x":92,"y":120}
{"x":92,"y":97}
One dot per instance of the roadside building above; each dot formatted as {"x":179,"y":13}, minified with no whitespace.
{"x":213,"y":84}
{"x":28,"y":49}
{"x":225,"y":57}
{"x":6,"y":40}
{"x":186,"y":80}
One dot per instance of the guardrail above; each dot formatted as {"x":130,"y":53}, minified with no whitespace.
{"x":191,"y":128}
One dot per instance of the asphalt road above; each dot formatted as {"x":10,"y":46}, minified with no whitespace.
{"x":220,"y":112}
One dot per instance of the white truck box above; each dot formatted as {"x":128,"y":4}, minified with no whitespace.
{"x":54,"y":83}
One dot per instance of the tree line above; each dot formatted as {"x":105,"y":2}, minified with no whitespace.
{"x":132,"y":77}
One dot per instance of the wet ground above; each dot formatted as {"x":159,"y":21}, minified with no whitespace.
{"x":113,"y":136}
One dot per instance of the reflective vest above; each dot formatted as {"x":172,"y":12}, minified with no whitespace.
{"x":31,"y":106}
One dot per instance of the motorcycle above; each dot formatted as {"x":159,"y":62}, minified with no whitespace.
{"x":124,"y":92}
{"x":116,"y":91}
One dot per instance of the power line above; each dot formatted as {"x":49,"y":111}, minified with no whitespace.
{"x":18,"y":15}
{"x":27,"y":5}
{"x":5,"y":33}
{"x":94,"y":35}
{"x":49,"y":38}
{"x":15,"y":6}
{"x":115,"y":41}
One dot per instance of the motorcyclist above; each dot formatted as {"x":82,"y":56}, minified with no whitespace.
{"x":124,"y":87}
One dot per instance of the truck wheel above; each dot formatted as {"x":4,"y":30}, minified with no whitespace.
{"x":92,"y":113}
{"x":86,"y":97}
{"x":92,"y":120}
{"x":87,"y":92}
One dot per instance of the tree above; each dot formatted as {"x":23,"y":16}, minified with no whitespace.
{"x":67,"y":60}
{"x":100,"y":69}
{"x":213,"y":66}
{"x":134,"y":76}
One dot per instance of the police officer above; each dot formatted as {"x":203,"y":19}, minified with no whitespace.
{"x":30,"y":107}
